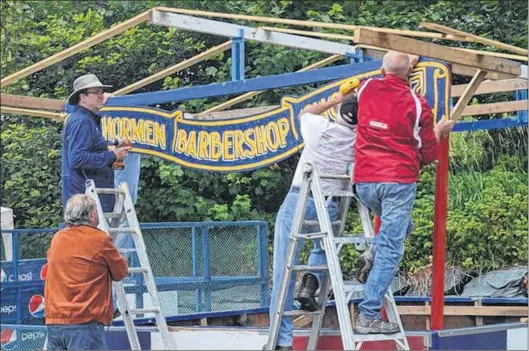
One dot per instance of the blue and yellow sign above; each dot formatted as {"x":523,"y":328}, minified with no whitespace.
{"x":246,"y":143}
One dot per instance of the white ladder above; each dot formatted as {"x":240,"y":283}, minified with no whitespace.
{"x":332,"y":271}
{"x":110,"y":223}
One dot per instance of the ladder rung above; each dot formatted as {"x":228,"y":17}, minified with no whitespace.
{"x":126,"y":250}
{"x":310,"y":236}
{"x":121,"y":230}
{"x":109,"y":191}
{"x":350,"y":239}
{"x":334,"y":176}
{"x":309,"y":268}
{"x":112,"y":215}
{"x":316,"y":223}
{"x":143,"y":310}
{"x":301,"y":313}
{"x":343,"y":193}
{"x":377,"y":337}
{"x":138,"y":270}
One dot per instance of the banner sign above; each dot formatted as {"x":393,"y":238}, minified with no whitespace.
{"x":249,"y":142}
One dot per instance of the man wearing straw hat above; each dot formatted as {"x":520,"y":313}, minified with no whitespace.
{"x":85,"y":154}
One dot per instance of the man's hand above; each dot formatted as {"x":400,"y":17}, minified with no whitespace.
{"x":106,"y":96}
{"x":121,"y":152}
{"x":443,"y":128}
{"x":413,"y":60}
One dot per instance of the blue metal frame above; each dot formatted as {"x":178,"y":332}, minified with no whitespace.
{"x":202,"y":282}
{"x":237,"y":57}
{"x":243,"y":86}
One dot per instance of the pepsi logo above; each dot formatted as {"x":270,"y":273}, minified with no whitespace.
{"x":44,"y":272}
{"x":36,"y":306}
{"x":8,"y":338}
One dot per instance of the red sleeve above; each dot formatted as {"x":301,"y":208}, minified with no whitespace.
{"x":428,"y":151}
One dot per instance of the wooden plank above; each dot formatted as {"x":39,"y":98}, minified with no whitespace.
{"x":490,"y":87}
{"x":32,"y":102}
{"x":58,"y":117}
{"x":378,"y":52}
{"x":85,"y":44}
{"x":496,"y":54}
{"x":467,"y":94}
{"x":497,"y":107}
{"x":514,"y":311}
{"x":421,"y":48}
{"x":312,"y":24}
{"x":251,"y":94}
{"x":475,"y":38}
{"x":175,"y":68}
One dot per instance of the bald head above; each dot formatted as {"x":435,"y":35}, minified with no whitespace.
{"x":396,"y":63}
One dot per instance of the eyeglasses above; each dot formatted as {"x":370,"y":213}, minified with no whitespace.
{"x":94,"y":91}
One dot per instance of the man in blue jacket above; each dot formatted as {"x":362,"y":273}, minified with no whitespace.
{"x":85,"y":154}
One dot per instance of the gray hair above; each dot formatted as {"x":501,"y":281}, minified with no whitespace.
{"x":397,"y":63}
{"x":78,"y":209}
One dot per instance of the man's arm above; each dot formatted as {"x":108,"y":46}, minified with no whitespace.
{"x":431,"y":136}
{"x":79,"y":148}
{"x":117,"y":265}
{"x":321,"y":107}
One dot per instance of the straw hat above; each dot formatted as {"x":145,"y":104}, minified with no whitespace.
{"x":85,"y":82}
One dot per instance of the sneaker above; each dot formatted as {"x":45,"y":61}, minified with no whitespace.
{"x":374,"y":326}
{"x":364,"y":263}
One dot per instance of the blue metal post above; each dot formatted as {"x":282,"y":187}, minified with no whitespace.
{"x":206,"y":268}
{"x":237,"y":57}
{"x":356,"y":57}
{"x":521,"y":95}
{"x":262,"y":261}
{"x":194,"y":238}
{"x":15,"y":236}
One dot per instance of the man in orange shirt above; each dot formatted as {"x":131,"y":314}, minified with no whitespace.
{"x":82,"y":263}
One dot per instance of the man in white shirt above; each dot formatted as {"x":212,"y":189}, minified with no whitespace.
{"x":329,"y":146}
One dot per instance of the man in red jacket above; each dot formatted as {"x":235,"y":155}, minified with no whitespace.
{"x":396,"y":136}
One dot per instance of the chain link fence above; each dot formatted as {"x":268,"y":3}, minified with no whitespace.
{"x":198,"y":267}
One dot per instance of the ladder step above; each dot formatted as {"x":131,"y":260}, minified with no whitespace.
{"x":126,"y":250}
{"x":112,"y":215}
{"x":351,"y":240}
{"x":121,"y":230}
{"x":378,"y":337}
{"x":144,"y":310}
{"x":109,"y":191}
{"x":343,"y":193}
{"x":138,"y":270}
{"x":334,"y":176}
{"x":310,"y":236}
{"x":309,"y":268}
{"x":312,"y":223}
{"x":301,"y":313}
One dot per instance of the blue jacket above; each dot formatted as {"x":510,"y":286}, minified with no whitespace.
{"x":85,"y":155}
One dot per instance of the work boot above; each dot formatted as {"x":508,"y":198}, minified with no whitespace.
{"x":307,"y":293}
{"x":364,"y":263}
{"x":374,"y":326}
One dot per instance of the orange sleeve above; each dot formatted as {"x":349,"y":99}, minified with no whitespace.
{"x":117,"y":265}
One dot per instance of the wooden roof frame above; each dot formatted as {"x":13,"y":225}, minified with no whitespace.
{"x":372,"y":40}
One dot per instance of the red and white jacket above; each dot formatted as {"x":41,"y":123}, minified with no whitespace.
{"x":395,"y":134}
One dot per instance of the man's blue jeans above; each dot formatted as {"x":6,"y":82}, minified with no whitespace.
{"x":87,"y":336}
{"x":393,"y":203}
{"x":283,"y":225}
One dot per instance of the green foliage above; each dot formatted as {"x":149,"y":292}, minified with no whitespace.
{"x":487,"y":223}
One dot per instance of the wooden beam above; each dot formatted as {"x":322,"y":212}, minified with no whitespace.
{"x":475,"y":38}
{"x":32,"y":102}
{"x":467,"y":310}
{"x":421,"y":48}
{"x":251,"y":94}
{"x":85,"y":44}
{"x":378,"y":52}
{"x":496,"y":54}
{"x":467,"y":94}
{"x":175,"y":68}
{"x":58,"y":117}
{"x":497,"y":107}
{"x":312,"y":24}
{"x":495,"y":86}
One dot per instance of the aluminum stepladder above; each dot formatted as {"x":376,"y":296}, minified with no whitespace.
{"x":332,"y":279}
{"x":110,"y":223}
